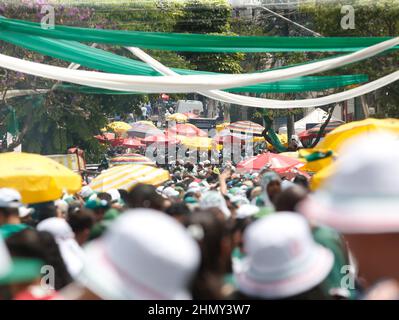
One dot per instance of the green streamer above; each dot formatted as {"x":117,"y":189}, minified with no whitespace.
{"x":193,"y":42}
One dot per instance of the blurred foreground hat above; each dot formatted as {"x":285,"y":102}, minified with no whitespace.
{"x":145,"y":254}
{"x":282,"y":259}
{"x":70,"y":250}
{"x":362,"y":196}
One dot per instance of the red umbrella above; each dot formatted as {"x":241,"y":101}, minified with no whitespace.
{"x":107,"y":136}
{"x":276,"y":162}
{"x":162,"y":139}
{"x":131,"y":143}
{"x":313,"y":132}
{"x":186,"y":129}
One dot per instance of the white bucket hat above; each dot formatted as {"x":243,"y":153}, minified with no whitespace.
{"x":71,"y":252}
{"x":115,"y":195}
{"x":170,"y":192}
{"x":282,"y":258}
{"x":145,"y":254}
{"x":246,"y":211}
{"x":363,"y":194}
{"x":214,"y":199}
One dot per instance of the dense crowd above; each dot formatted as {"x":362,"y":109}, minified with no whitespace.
{"x":212,"y":232}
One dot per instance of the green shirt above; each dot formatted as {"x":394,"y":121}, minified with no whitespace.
{"x":331,"y":239}
{"x":6,"y":230}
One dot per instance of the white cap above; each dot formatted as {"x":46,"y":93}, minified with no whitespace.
{"x":160,"y":189}
{"x":70,"y":250}
{"x":62,"y":205}
{"x":214,"y":199}
{"x":115,"y":195}
{"x":362,"y":196}
{"x":25,"y":211}
{"x":10,"y":198}
{"x":282,"y":258}
{"x":86,"y":192}
{"x":193,"y":185}
{"x":170,"y":192}
{"x":145,"y":254}
{"x":246,"y":211}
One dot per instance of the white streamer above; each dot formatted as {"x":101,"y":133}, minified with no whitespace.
{"x":269,"y":103}
{"x":188,"y":83}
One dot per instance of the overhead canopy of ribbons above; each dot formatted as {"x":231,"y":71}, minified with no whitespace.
{"x":121,"y":75}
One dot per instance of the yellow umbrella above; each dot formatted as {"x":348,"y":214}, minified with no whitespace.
{"x":150,"y":123}
{"x":222,"y":126}
{"x":336,"y":138}
{"x":177,"y":117}
{"x":119,"y":126}
{"x":36,"y":177}
{"x":316,"y":165}
{"x":127,"y":176}
{"x":200,"y":143}
{"x":320,"y":177}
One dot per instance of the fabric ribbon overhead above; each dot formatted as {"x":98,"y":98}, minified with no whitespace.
{"x":190,"y":83}
{"x":194,"y":42}
{"x":109,"y":62}
{"x":275,"y":104}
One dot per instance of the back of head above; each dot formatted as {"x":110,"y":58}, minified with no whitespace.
{"x":289,"y":198}
{"x":81,"y":220}
{"x":145,"y":196}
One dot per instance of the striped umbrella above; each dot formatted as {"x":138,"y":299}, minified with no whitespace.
{"x":313,"y":132}
{"x":127,"y":176}
{"x":187,"y":130}
{"x":191,"y":115}
{"x":246,"y":127}
{"x":161,"y":139}
{"x":131,"y":158}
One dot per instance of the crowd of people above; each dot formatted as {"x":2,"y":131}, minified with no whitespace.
{"x":212,"y":232}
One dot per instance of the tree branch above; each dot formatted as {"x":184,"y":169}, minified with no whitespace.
{"x":323,"y":127}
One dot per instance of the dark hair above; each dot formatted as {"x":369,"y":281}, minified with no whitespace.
{"x":104,"y":196}
{"x":124,"y":195}
{"x":44,"y":211}
{"x":145,"y":196}
{"x":302,"y":181}
{"x":31,"y":243}
{"x":7,"y":212}
{"x":178,"y":209}
{"x":81,"y":220}
{"x":289,"y":198}
{"x":209,"y":280}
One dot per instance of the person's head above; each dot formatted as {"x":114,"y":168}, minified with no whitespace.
{"x":302,"y":181}
{"x":31,"y":243}
{"x":98,"y":207}
{"x":62,"y":208}
{"x":86,"y":192}
{"x":361,"y":200}
{"x":81,"y":222}
{"x":70,"y":251}
{"x":289,"y":198}
{"x":43,"y":210}
{"x":282,"y":259}
{"x":104,"y":196}
{"x":271,"y":184}
{"x":215,"y":243}
{"x":180,"y":211}
{"x":10,"y":202}
{"x":214,"y":199}
{"x":145,"y":254}
{"x":145,"y":196}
